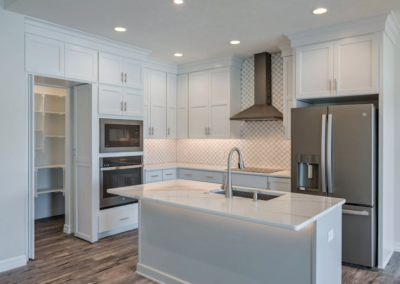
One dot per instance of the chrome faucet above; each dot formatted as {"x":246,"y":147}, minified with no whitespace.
{"x":228,"y":182}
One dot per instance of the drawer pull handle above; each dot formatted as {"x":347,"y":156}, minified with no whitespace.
{"x":126,"y":218}
{"x":154,"y":176}
{"x":169,"y":174}
{"x":209,"y":177}
{"x":355,"y":212}
{"x":187,"y":174}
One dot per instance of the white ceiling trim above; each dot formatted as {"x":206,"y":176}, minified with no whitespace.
{"x":224,"y":61}
{"x":160,"y":65}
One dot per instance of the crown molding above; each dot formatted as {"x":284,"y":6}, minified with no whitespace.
{"x":160,"y":65}
{"x":392,"y":27}
{"x":67,"y":35}
{"x":341,"y":30}
{"x":286,"y":49}
{"x":231,"y":60}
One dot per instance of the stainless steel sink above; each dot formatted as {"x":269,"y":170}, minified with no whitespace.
{"x":246,"y":194}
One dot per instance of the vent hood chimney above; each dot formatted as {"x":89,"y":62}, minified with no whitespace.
{"x":263,"y":108}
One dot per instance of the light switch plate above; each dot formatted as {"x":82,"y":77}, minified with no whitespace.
{"x":330,"y":235}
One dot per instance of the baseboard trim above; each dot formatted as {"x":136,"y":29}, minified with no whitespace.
{"x":12,"y":263}
{"x":68,"y":229}
{"x":157,"y":276}
{"x":397,"y":247}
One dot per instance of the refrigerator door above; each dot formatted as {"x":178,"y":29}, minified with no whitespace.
{"x":351,"y":150}
{"x":308,"y":136}
{"x":359,"y":235}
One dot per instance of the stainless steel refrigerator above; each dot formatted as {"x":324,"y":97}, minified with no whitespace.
{"x":334,"y":151}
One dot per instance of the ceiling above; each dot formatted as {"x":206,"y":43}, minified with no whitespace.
{"x":200,"y":29}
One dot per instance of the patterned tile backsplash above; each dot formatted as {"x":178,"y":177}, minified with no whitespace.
{"x":262,"y":143}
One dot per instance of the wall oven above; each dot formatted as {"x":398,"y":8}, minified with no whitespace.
{"x":119,"y":172}
{"x":117,"y":135}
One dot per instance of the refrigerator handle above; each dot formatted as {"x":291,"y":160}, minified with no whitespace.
{"x":323,"y":152}
{"x":329,"y":154}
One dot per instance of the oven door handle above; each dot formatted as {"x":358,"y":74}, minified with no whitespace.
{"x":121,"y":168}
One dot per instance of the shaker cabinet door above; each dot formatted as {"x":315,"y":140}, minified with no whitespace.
{"x":198,"y":104}
{"x":133,"y":102}
{"x":133,"y":73}
{"x":110,"y":69}
{"x":314,"y":70}
{"x":111,"y":100}
{"x":80,"y":63}
{"x":44,"y":56}
{"x":171,"y":105}
{"x":182,"y":106}
{"x":356,"y":65}
{"x":158,"y":96}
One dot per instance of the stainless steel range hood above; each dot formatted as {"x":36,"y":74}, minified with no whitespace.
{"x":262,"y":109}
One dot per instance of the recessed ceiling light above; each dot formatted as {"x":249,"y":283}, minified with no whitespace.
{"x":319,"y":11}
{"x":178,"y":54}
{"x":178,"y":1}
{"x":234,"y":42}
{"x":120,"y":29}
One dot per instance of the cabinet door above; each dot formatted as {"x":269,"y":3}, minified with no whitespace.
{"x":314,"y":70}
{"x":218,"y":100}
{"x":133,"y":102}
{"x":111,"y":100}
{"x":182,"y":106}
{"x":43,"y":55}
{"x":356,"y":65}
{"x":80,"y":63}
{"x":198,"y":104}
{"x":146,"y":111}
{"x":133,"y":73}
{"x":171,"y":106}
{"x":158,"y":94}
{"x":287,"y":117}
{"x":110,"y":69}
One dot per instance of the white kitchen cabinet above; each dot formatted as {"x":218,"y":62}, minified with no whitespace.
{"x":118,"y":217}
{"x":120,"y":71}
{"x":111,"y":100}
{"x":198,"y":104}
{"x":342,"y":67}
{"x":279,"y":184}
{"x":171,"y":105}
{"x":287,"y":94}
{"x":133,"y":73}
{"x":214,"y":96}
{"x":314,"y":70}
{"x":80,"y":63}
{"x":133,"y":102}
{"x":356,"y":65}
{"x":44,"y":56}
{"x":146,"y":110}
{"x":158,"y":90}
{"x":182,"y":106}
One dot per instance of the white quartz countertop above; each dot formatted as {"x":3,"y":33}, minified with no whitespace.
{"x":288,"y":211}
{"x":282,"y":174}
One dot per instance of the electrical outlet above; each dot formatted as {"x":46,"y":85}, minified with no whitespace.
{"x":330,"y":235}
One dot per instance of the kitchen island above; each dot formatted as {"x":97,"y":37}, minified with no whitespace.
{"x":189,"y":233}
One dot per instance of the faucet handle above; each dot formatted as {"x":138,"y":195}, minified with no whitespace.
{"x":223,"y":182}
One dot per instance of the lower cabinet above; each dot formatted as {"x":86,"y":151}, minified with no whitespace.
{"x":279,"y":184}
{"x":160,"y":175}
{"x":118,"y":218}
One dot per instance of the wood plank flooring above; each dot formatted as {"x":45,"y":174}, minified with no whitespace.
{"x":62,"y":258}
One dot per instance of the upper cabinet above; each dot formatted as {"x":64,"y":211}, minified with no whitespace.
{"x":44,"y":56}
{"x":80,"y":63}
{"x":120,"y":71}
{"x":287,"y":94}
{"x":182,"y":106}
{"x":214,"y":96}
{"x":171,"y":105}
{"x":343,"y":67}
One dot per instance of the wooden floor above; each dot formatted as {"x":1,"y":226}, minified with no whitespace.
{"x":62,"y":258}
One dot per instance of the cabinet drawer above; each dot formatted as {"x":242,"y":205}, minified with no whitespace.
{"x":279,"y":184}
{"x":118,"y":218}
{"x":214,"y":177}
{"x":169,"y":174}
{"x":250,"y":181}
{"x":153,"y":176}
{"x":189,"y":174}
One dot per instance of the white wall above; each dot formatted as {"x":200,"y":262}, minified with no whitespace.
{"x":14,"y":140}
{"x":397,"y":144}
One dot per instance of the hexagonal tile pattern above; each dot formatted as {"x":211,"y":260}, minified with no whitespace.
{"x":262,"y":143}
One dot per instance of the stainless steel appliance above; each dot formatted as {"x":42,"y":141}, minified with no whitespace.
{"x":119,"y":172}
{"x":334,"y":151}
{"x":117,"y":135}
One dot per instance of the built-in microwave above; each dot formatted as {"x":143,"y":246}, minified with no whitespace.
{"x":118,"y":135}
